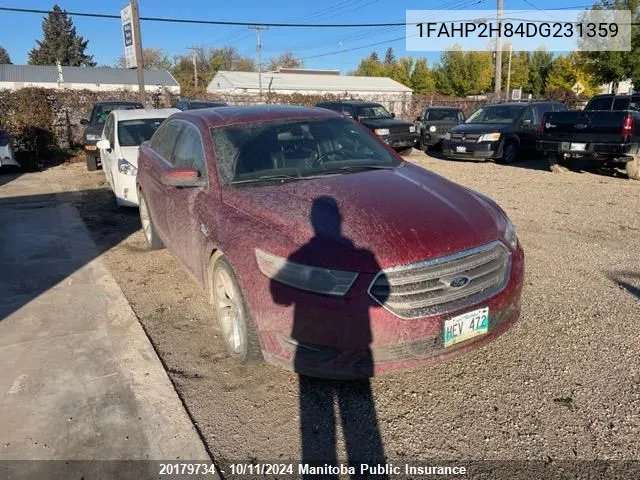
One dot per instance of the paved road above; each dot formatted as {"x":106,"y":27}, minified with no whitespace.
{"x":79,"y":378}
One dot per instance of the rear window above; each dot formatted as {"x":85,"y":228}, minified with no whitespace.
{"x":621,"y":103}
{"x":442,"y":115}
{"x":602,"y":103}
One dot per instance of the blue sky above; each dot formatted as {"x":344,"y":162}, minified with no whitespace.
{"x":20,"y":30}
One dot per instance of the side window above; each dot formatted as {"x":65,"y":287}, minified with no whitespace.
{"x":601,"y":103}
{"x":165,"y":138}
{"x":529,"y":114}
{"x":189,"y":151}
{"x":347,"y":110}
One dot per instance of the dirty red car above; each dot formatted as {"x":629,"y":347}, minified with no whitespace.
{"x":320,"y":249}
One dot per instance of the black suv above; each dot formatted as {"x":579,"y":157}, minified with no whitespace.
{"x":500,"y":132}
{"x":400,"y":135}
{"x":191,"y":104}
{"x":435,"y":122}
{"x":95,"y":124}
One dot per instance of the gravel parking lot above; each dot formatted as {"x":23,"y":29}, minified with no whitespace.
{"x":563,"y":383}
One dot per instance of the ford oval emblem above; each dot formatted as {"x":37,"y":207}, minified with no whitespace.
{"x":459,"y":281}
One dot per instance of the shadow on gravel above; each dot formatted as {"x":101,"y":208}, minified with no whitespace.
{"x":9,"y":173}
{"x":41,"y":245}
{"x":629,"y":281}
{"x":313,"y":328}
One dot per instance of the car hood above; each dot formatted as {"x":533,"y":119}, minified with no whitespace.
{"x":481,"y":128}
{"x":130,"y":154}
{"x":94,"y":129}
{"x":402,"y":215}
{"x":384,"y":123}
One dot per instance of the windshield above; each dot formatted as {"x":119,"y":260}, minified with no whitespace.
{"x":496,"y":114}
{"x":295,"y":150}
{"x":132,"y":133}
{"x":101,"y":112}
{"x":442,"y":115}
{"x":372,"y":111}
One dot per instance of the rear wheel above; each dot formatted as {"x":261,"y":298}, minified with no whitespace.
{"x":238,"y":331}
{"x":150,"y":235}
{"x":633,"y":168}
{"x":92,"y":162}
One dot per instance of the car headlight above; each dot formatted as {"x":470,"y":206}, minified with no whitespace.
{"x":489,"y":137}
{"x":447,"y":136}
{"x":381,"y":131}
{"x":412,"y":129}
{"x":126,"y":167}
{"x":432,"y":128}
{"x":510,"y":234}
{"x":304,"y":277}
{"x":92,"y":137}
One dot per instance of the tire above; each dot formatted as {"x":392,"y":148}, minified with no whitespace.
{"x":234,"y":317}
{"x":633,"y":168}
{"x":510,"y":153}
{"x":405,"y":151}
{"x":92,"y":162}
{"x":150,"y":235}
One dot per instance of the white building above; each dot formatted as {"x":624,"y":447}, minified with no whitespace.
{"x":14,"y":77}
{"x":624,"y":87}
{"x":386,"y":91}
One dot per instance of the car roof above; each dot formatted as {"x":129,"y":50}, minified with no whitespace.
{"x":143,"y":113}
{"x":442,"y":107}
{"x":117,"y":102}
{"x":239,"y":114}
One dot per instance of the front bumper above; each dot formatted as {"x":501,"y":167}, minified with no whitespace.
{"x":125,"y":190}
{"x":431,"y":139}
{"x":308,"y":335}
{"x":401,"y":141}
{"x":591,"y":150}
{"x":471,"y":150}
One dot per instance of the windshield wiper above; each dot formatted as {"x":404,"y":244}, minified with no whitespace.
{"x":266,"y":177}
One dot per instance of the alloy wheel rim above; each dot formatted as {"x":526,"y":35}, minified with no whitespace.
{"x":229,"y":311}
{"x":510,"y":153}
{"x":145,"y":220}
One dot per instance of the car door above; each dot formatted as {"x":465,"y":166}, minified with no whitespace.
{"x":162,"y":146}
{"x":185,"y":205}
{"x":528,"y":129}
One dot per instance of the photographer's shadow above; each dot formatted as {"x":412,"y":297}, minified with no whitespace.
{"x":346,"y":323}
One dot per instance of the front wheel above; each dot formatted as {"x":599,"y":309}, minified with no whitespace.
{"x":633,"y":168}
{"x":238,"y":331}
{"x":510,"y":153}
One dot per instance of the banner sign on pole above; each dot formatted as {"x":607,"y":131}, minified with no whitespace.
{"x":127,"y":34}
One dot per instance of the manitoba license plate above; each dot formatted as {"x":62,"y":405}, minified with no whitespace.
{"x":466,"y":326}
{"x":461,"y":149}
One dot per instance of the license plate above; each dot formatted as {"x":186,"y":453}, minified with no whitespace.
{"x":90,"y":147}
{"x":461,"y":149}
{"x":578,"y":147}
{"x":466,"y":326}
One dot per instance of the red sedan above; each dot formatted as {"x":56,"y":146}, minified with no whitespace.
{"x":320,"y":248}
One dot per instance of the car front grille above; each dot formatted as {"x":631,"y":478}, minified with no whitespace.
{"x":425,"y":288}
{"x":465,"y":136}
{"x":400,"y":131}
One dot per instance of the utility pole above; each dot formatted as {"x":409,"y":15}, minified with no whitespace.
{"x":135,"y":19}
{"x":498,"y":76}
{"x":195,"y":66}
{"x":258,"y":49}
{"x":509,"y":72}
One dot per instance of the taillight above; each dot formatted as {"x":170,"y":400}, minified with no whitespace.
{"x":541,"y":126}
{"x":628,"y":126}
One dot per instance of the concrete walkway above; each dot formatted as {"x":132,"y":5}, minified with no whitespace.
{"x":79,"y":380}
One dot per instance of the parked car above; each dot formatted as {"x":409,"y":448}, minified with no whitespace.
{"x":501,"y":132}
{"x":400,"y":135}
{"x":7,"y":155}
{"x":606,"y":131}
{"x":435,"y":122}
{"x":191,"y":104}
{"x":322,"y":250}
{"x":95,"y":124}
{"x":123,"y":133}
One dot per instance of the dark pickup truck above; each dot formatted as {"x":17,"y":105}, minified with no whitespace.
{"x":400,"y":135}
{"x":606,"y":131}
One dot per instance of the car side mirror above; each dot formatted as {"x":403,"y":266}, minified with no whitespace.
{"x":393,"y":115}
{"x":84,"y":121}
{"x":418,"y":118}
{"x":182,"y":177}
{"x":103,"y":144}
{"x":526,"y":122}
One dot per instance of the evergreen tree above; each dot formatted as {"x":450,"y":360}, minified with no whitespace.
{"x":389,"y":57}
{"x":374,"y":56}
{"x":60,"y":42}
{"x":422,"y":79}
{"x":4,"y":56}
